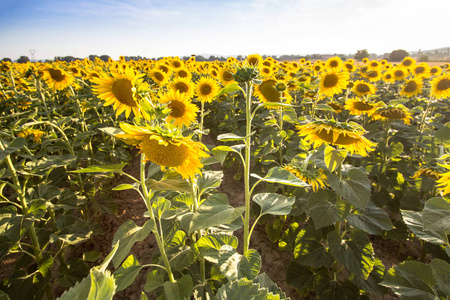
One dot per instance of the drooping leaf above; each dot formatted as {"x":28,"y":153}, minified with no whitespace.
{"x":411,"y":280}
{"x":221,"y":152}
{"x":325,"y":213}
{"x":180,"y":289}
{"x":127,"y":234}
{"x":229,"y":88}
{"x":274,"y":204}
{"x":436,"y":215}
{"x":249,"y":265}
{"x":209,"y":245}
{"x":373,"y":219}
{"x":127,"y":273}
{"x":209,"y":180}
{"x":168,"y":185}
{"x":414,"y":221}
{"x":282,"y":176}
{"x":441,"y":272}
{"x":355,"y":188}
{"x":334,"y":157}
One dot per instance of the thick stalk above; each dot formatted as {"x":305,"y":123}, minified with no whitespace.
{"x":159,"y":241}
{"x":248,"y":108}
{"x":202,"y":111}
{"x":280,"y":127}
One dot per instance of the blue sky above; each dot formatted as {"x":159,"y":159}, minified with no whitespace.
{"x":154,"y":28}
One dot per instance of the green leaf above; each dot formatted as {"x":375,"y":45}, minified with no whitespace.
{"x":183,"y":258}
{"x":436,"y":215}
{"x":373,"y":219}
{"x":395,"y":149}
{"x":282,"y":176}
{"x":3,"y":295}
{"x":356,"y":255}
{"x":127,"y":273}
{"x":209,"y":180}
{"x":370,"y":285}
{"x":333,"y":290}
{"x":299,"y":276}
{"x":324,"y":107}
{"x":168,"y":185}
{"x":230,"y":88}
{"x":411,"y":280}
{"x":312,"y":253}
{"x":160,"y":206}
{"x":127,"y":234}
{"x":249,"y":265}
{"x":221,"y":152}
{"x":155,"y":279}
{"x":324,"y":212}
{"x":274,"y":204}
{"x":275,"y":104}
{"x":71,"y":230}
{"x":112,"y":131}
{"x":355,"y":188}
{"x":414,"y":221}
{"x":102,"y":169}
{"x":72,"y":272}
{"x":334,"y":157}
{"x":441,"y":272}
{"x":98,"y":285}
{"x":214,"y":211}
{"x":227,"y":137}
{"x":14,"y":146}
{"x":180,"y":289}
{"x":92,"y":256}
{"x":209,"y":245}
{"x":228,"y":262}
{"x":124,"y":186}
{"x":265,"y":282}
{"x":442,"y":135}
{"x":242,"y":289}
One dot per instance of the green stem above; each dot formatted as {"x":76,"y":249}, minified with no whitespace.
{"x":158,"y":238}
{"x":280,"y":127}
{"x":248,"y":108}
{"x":202,"y":111}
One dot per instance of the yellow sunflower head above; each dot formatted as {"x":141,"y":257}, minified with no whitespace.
{"x":254,"y":60}
{"x":421,"y":70}
{"x":270,"y":90}
{"x":119,"y":91}
{"x":167,"y":148}
{"x":412,"y":87}
{"x":344,"y":135}
{"x":314,"y":177}
{"x":360,"y":106}
{"x":362,"y":88}
{"x":440,"y":86}
{"x":388,"y":77}
{"x":57,"y":79}
{"x":334,"y":63}
{"x":333,"y":82}
{"x":225,"y":76}
{"x":206,"y":89}
{"x":158,"y":76}
{"x":184,"y":86}
{"x":182,"y":72}
{"x":373,"y":74}
{"x":393,"y":112}
{"x":183,"y":112}
{"x":408,"y":62}
{"x":435,"y":71}
{"x":444,"y":181}
{"x":349,"y":66}
{"x":399,"y":72}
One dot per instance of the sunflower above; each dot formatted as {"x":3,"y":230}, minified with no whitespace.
{"x":435,"y":71}
{"x":362,"y":88}
{"x":158,"y":76}
{"x":226,"y":76}
{"x":182,"y":72}
{"x":119,"y":91}
{"x":254,"y":60}
{"x":313,"y":177}
{"x":374,"y":64}
{"x":57,"y":78}
{"x":399,"y":72}
{"x":266,"y":71}
{"x":183,"y":112}
{"x":440,"y":86}
{"x":334,"y":63}
{"x":359,"y":107}
{"x":392,"y":112}
{"x":421,"y":70}
{"x":176,"y":63}
{"x":267,"y":91}
{"x":184,"y":86}
{"x":388,"y":77}
{"x":444,"y":182}
{"x":365,"y":60}
{"x":206,"y":89}
{"x":37,"y":134}
{"x":412,"y":87}
{"x":373,"y":74}
{"x":408,"y":62}
{"x":336,"y":107}
{"x":169,"y":149}
{"x":429,"y":172}
{"x":333,"y":82}
{"x":349,"y":66}
{"x":344,"y":135}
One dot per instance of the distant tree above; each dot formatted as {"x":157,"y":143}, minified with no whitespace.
{"x":23,"y":59}
{"x":361,"y":54}
{"x":92,"y":57}
{"x":423,"y":58}
{"x":239,"y":58}
{"x":398,"y":55}
{"x":6,"y":59}
{"x":104,"y":57}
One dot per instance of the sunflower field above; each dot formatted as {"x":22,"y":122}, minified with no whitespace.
{"x":330,"y":159}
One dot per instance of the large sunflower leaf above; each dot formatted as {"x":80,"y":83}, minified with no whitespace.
{"x":436,"y":215}
{"x":282,"y":176}
{"x":355,"y":188}
{"x":274,"y":204}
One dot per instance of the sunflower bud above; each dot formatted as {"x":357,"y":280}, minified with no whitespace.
{"x":245,"y":74}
